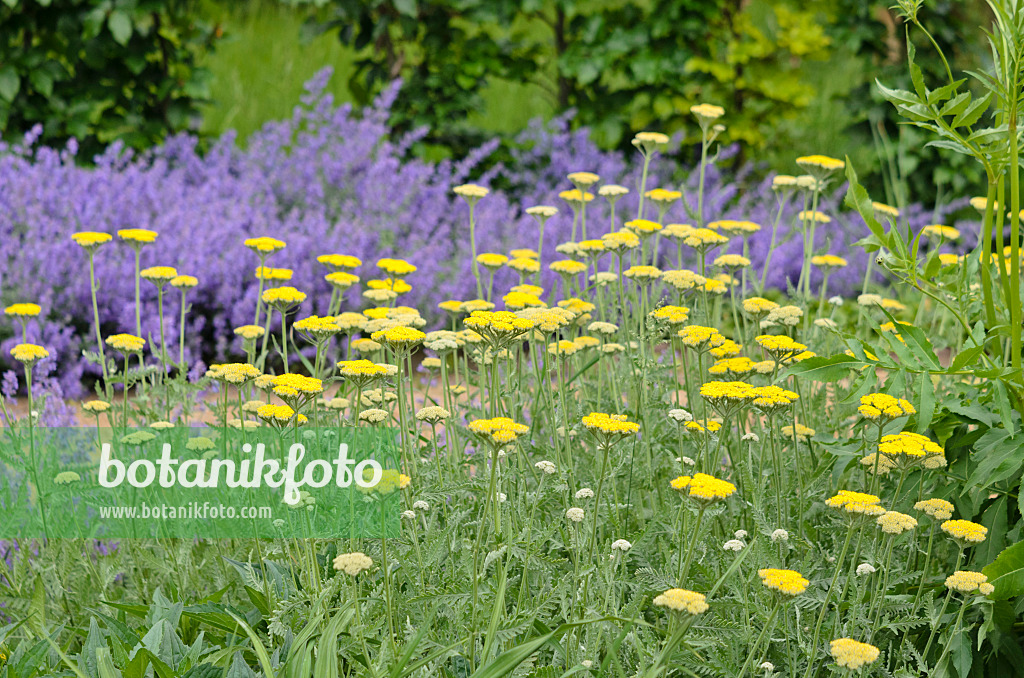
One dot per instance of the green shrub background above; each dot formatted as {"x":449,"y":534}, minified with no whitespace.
{"x":792,"y":75}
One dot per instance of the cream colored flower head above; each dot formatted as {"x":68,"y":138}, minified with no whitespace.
{"x":681,"y":600}
{"x":353,"y":564}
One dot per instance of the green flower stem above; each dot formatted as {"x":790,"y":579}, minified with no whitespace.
{"x":685,"y":568}
{"x":705,"y":143}
{"x":956,"y":630}
{"x":33,"y":463}
{"x":138,"y":295}
{"x":96,"y":322}
{"x":259,"y":292}
{"x":942,"y":612}
{"x":284,"y":340}
{"x":181,"y":341}
{"x":769,"y":625}
{"x":643,"y":186}
{"x":813,"y":652}
{"x":472,"y":244}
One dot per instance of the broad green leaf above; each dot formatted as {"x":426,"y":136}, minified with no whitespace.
{"x":120,"y":25}
{"x":1006,"y":573}
{"x":1000,"y":457}
{"x":10,"y":83}
{"x":825,"y":369}
{"x":857,"y":198}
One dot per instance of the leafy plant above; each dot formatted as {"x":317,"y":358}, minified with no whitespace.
{"x":101,"y":71}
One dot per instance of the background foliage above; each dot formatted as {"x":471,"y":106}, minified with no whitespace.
{"x":792,"y":75}
{"x":101,"y":70}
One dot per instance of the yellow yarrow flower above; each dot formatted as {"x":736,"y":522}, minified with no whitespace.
{"x":965,"y":531}
{"x":233,"y":373}
{"x":471,"y":192}
{"x":610,"y":424}
{"x":264,"y":245}
{"x":808,"y":215}
{"x":758,"y":306}
{"x":882,"y":407}
{"x":735,"y":227}
{"x":268,"y":273}
{"x":663,"y":195}
{"x":731,"y":261}
{"x":562,"y":348}
{"x":940,"y":509}
{"x":820,"y":162}
{"x":887,"y":210}
{"x":283,"y":297}
{"x":184,"y":282}
{"x":644,"y":274}
{"x":700,"y":338}
{"x":894,"y":522}
{"x":498,"y":431}
{"x":568,"y":267}
{"x":802,"y":432}
{"x":250,"y":332}
{"x":91,"y":240}
{"x":707,"y":112}
{"x":29,"y":354}
{"x":671,"y":315}
{"x":491,"y":260}
{"x":703,"y":487}
{"x":828,"y":261}
{"x":339,"y":261}
{"x":704,"y":238}
{"x":856,"y":503}
{"x":524,"y":265}
{"x":159,"y":275}
{"x":137,"y":236}
{"x":396,"y":267}
{"x":965,"y":581}
{"x":576,"y":197}
{"x":940,"y":232}
{"x":583,"y":179}
{"x":681,"y":600}
{"x":788,"y":582}
{"x":852,"y":654}
{"x":24,"y":310}
{"x":126,"y":343}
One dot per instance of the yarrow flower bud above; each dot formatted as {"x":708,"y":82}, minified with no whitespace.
{"x":575,"y":514}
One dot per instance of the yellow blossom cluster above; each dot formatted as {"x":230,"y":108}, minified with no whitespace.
{"x":610,"y":424}
{"x":852,"y":654}
{"x":499,"y":430}
{"x":940,"y":509}
{"x":965,"y":531}
{"x":703,"y":487}
{"x":789,"y":582}
{"x":882,"y":407}
{"x":856,"y":503}
{"x":681,"y":600}
{"x":965,"y":581}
